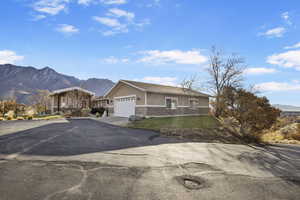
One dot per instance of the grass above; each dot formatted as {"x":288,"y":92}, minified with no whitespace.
{"x":48,"y":117}
{"x":203,"y":122}
{"x":272,"y":136}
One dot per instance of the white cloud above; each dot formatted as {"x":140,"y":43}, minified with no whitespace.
{"x":259,"y":71}
{"x":107,"y":2}
{"x":67,"y":29}
{"x":142,"y":23}
{"x":108,"y":21}
{"x":9,"y":57}
{"x":286,"y":17}
{"x":114,"y":60}
{"x":51,"y":7}
{"x":153,"y":3}
{"x":114,"y":24}
{"x":119,"y":21}
{"x":38,"y":17}
{"x":295,"y":46}
{"x":85,"y":2}
{"x":277,"y":86}
{"x":275,"y":32}
{"x":193,"y":57}
{"x":116,"y":12}
{"x":289,"y":59}
{"x":159,"y":80}
{"x":109,"y":33}
{"x":111,"y":2}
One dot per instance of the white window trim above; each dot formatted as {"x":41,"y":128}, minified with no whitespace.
{"x":172,"y":98}
{"x":194,"y":99}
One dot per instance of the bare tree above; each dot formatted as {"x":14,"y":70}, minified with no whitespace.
{"x":224,"y":72}
{"x":189,"y":84}
{"x":41,"y":100}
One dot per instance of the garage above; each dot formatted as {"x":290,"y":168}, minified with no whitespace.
{"x":124,"y":106}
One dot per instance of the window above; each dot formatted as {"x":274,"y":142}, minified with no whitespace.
{"x":83,"y":104}
{"x":193,"y":103}
{"x":171,"y":103}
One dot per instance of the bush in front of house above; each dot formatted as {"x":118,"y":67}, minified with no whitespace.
{"x":10,"y":115}
{"x":97,"y":115}
{"x":68,"y":114}
{"x":101,"y":110}
{"x":29,"y":113}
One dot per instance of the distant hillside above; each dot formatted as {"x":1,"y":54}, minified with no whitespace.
{"x":287,"y":107}
{"x":21,"y":82}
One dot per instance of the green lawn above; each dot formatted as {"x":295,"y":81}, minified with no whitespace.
{"x":204,"y":122}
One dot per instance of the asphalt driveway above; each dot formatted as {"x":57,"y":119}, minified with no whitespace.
{"x":87,"y":159}
{"x":73,"y":138}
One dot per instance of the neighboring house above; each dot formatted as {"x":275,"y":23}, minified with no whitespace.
{"x":70,"y":99}
{"x":128,"y":98}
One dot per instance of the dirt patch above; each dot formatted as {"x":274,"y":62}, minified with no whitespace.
{"x":216,"y":135}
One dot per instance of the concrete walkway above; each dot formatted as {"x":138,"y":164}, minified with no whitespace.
{"x":118,"y":121}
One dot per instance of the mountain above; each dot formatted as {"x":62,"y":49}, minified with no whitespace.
{"x":287,"y":107}
{"x":21,"y":82}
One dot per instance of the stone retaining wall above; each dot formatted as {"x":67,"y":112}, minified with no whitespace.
{"x":162,"y":111}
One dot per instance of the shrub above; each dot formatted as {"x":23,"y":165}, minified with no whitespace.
{"x":85,"y":112}
{"x":296,"y":134}
{"x":68,"y":114}
{"x":20,"y":118}
{"x":97,"y":115}
{"x":30,"y":113}
{"x":10,"y":115}
{"x":253,"y":113}
{"x":287,"y":131}
{"x":76,"y":113}
{"x":98,"y":110}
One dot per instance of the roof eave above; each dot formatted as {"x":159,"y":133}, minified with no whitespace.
{"x":122,"y":81}
{"x":71,"y":89}
{"x":174,"y":93}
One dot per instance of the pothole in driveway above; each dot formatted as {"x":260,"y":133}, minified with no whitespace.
{"x":192,"y":182}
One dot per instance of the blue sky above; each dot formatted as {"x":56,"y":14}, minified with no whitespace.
{"x":160,"y":41}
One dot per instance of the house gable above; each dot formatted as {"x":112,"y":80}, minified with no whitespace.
{"x":122,"y":89}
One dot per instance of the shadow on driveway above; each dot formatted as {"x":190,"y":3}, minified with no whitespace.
{"x":77,"y":137}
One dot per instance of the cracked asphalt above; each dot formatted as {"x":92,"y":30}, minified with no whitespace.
{"x":87,"y":159}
